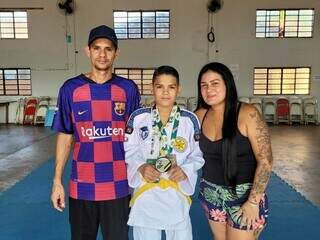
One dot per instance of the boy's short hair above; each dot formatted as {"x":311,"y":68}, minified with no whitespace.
{"x":167,"y":70}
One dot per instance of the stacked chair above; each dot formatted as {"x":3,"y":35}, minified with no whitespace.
{"x":244,"y":99}
{"x":286,"y":109}
{"x":283,"y":110}
{"x":50,"y":112}
{"x":270,"y":109}
{"x":296,"y":110}
{"x":20,"y":111}
{"x":42,"y":108}
{"x":33,"y":110}
{"x":182,"y":102}
{"x":257,"y":102}
{"x":30,"y":110}
{"x":192,"y":104}
{"x":310,"y":109}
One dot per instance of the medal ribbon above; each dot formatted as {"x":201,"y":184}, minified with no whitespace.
{"x":159,"y":130}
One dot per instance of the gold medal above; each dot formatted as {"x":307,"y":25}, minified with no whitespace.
{"x":163,"y":164}
{"x":179,"y":144}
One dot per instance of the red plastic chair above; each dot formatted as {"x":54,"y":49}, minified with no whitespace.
{"x":30,"y":111}
{"x":283,"y":110}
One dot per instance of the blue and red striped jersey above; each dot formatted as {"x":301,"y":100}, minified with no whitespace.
{"x":96,"y":115}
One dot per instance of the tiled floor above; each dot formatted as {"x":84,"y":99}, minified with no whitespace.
{"x":296,"y":151}
{"x":23,"y":148}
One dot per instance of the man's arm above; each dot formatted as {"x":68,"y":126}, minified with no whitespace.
{"x":64,"y":142}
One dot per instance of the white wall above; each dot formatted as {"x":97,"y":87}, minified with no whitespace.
{"x":52,"y":59}
{"x":237,"y":43}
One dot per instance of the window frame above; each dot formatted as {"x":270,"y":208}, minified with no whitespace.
{"x":284,"y":9}
{"x":14,"y":24}
{"x":141,"y":24}
{"x":141,"y":90}
{"x":17,"y":82}
{"x":281,"y":81}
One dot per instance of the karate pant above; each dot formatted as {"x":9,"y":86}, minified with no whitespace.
{"x":141,"y":233}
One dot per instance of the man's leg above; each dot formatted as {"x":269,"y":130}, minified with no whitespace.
{"x":84,"y":219}
{"x":114,"y":217}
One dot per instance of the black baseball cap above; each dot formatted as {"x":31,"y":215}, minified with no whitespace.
{"x":103,"y":31}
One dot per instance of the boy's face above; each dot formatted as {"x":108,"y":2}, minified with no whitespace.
{"x":165,"y":90}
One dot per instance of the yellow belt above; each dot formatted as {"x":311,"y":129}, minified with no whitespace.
{"x":163,"y":183}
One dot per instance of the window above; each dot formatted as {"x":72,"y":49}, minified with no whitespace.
{"x":141,"y":76}
{"x":142,"y":24}
{"x":15,"y":81}
{"x":13,"y":25}
{"x":273,"y":81}
{"x":284,"y":23}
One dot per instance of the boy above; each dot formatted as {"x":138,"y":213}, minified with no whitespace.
{"x":162,"y":156}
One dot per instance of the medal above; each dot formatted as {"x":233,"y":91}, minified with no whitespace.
{"x":180,"y":144}
{"x":163,"y":164}
{"x":165,"y":160}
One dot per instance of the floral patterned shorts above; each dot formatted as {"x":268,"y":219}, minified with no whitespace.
{"x":221,"y":203}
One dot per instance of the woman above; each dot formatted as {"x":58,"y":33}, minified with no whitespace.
{"x":238,"y":158}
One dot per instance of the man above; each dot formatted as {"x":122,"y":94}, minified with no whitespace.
{"x":92,"y":111}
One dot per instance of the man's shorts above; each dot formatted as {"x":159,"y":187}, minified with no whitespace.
{"x":221,"y":203}
{"x":86,"y":216}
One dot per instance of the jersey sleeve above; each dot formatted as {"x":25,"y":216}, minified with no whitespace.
{"x":134,"y":100}
{"x":62,"y":121}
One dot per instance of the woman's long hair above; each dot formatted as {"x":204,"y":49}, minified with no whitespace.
{"x":230,"y":118}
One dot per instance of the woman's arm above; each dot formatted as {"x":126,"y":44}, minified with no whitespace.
{"x":259,"y":138}
{"x":257,"y":132}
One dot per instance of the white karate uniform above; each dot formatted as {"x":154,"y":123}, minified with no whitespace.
{"x":162,"y":209}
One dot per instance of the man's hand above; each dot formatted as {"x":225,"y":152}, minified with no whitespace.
{"x":149,"y":173}
{"x":58,"y":197}
{"x":176,"y":174}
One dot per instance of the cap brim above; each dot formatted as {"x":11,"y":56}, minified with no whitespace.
{"x":96,"y":37}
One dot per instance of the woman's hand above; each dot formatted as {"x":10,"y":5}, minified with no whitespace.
{"x":249,"y":213}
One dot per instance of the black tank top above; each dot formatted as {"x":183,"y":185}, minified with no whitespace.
{"x":212,"y":153}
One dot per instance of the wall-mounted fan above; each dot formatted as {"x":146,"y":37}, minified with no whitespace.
{"x":213,"y":6}
{"x":66,"y":5}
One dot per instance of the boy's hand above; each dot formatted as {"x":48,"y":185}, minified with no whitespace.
{"x":149,"y":173}
{"x":176,"y":174}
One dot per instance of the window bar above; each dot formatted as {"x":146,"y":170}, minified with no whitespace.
{"x":281,"y":80}
{"x":3,"y":82}
{"x":298,"y":23}
{"x":141,"y":25}
{"x":268,"y":69}
{"x":295,"y":80}
{"x":128,"y":35}
{"x":155,"y":24}
{"x":14,"y":27}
